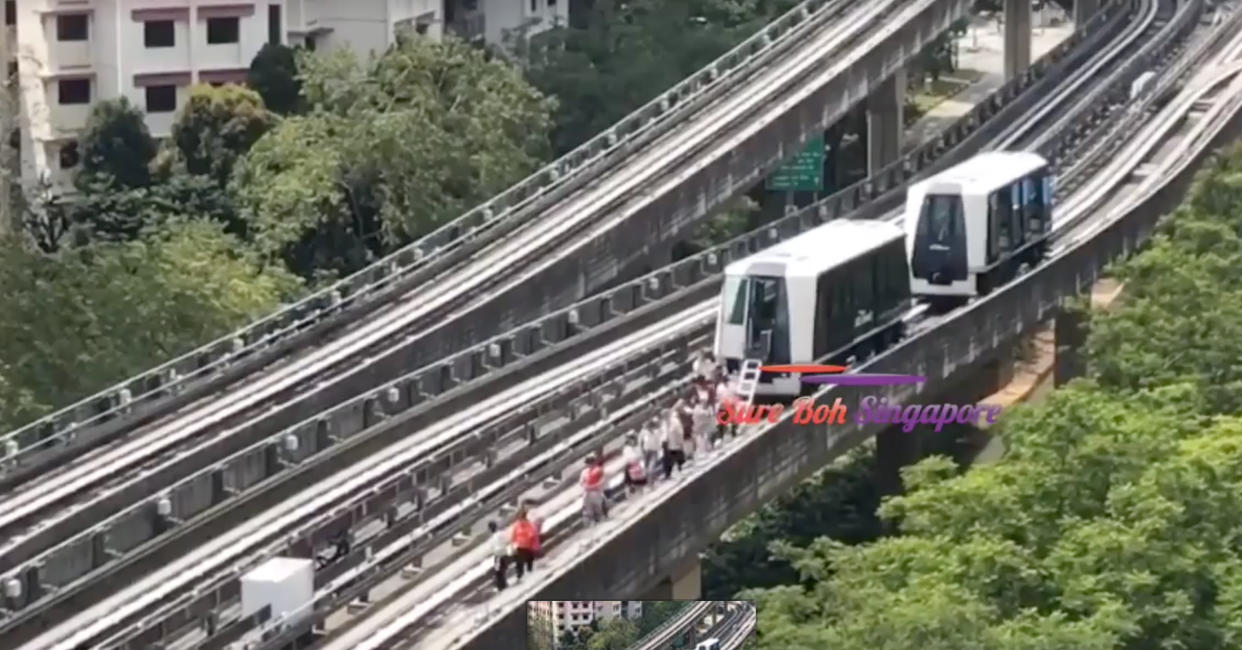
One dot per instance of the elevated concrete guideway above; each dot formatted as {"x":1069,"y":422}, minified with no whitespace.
{"x":886,"y":100}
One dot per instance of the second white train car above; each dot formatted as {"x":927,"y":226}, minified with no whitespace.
{"x":832,"y":293}
{"x":971,"y":227}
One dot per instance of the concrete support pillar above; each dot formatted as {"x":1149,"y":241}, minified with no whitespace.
{"x":884,"y":120}
{"x":685,"y":582}
{"x":1017,"y":37}
{"x":1084,"y":10}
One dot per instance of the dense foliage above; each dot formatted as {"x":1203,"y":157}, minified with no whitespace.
{"x":1112,"y":522}
{"x":78,"y":321}
{"x":168,"y":245}
{"x":388,"y":150}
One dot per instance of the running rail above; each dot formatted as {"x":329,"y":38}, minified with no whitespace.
{"x":749,"y":117}
{"x":371,"y":287}
{"x":672,"y":627}
{"x":376,"y":410}
{"x":552,"y":578}
{"x":1025,"y":300}
{"x":692,"y":277}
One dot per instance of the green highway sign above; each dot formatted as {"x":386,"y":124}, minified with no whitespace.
{"x":802,"y":173}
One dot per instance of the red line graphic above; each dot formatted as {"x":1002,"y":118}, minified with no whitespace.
{"x":804,"y":369}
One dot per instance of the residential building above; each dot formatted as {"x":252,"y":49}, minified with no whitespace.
{"x":62,"y":56}
{"x":73,"y":53}
{"x":556,"y":617}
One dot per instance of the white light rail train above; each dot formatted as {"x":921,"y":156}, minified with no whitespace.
{"x":837,"y":293}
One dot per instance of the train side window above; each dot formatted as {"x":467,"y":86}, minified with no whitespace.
{"x":1018,"y":215}
{"x":900,"y":272}
{"x":823,"y":312}
{"x":879,"y":276}
{"x":999,"y":211}
{"x":862,"y":285}
{"x":737,"y":296}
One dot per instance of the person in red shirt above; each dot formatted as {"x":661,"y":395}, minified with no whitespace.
{"x":525,"y":538}
{"x":594,"y":503}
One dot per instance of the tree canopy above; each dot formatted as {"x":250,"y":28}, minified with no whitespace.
{"x":389,"y":149}
{"x":76,"y":322}
{"x":1112,"y":521}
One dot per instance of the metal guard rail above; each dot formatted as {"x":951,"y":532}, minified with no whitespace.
{"x":1055,"y":143}
{"x":572,"y":321}
{"x":1010,"y":311}
{"x":849,"y":198}
{"x":692,"y":277}
{"x":172,"y":378}
{"x":562,"y":448}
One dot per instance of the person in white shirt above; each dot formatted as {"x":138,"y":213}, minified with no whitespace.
{"x":635,"y":464}
{"x":650,"y":440}
{"x":705,"y":365}
{"x":687,"y":425}
{"x":703,"y":421}
{"x":674,"y":441}
{"x":499,"y":545}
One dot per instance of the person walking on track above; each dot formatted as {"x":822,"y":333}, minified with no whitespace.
{"x":594,"y":504}
{"x":525,"y":539}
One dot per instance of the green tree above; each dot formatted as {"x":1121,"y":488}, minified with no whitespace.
{"x":630,"y":53}
{"x":613,"y":634}
{"x":274,"y":75}
{"x":216,"y":126}
{"x":77,"y":322}
{"x":1111,"y":523}
{"x":389,"y":150}
{"x":116,"y":147}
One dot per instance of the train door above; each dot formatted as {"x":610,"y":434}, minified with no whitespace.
{"x":1032,"y":205}
{"x":939,"y":254}
{"x":767,"y":327}
{"x":1017,"y":215}
{"x":1048,"y":183}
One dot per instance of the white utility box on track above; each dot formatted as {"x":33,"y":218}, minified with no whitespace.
{"x":285,"y":583}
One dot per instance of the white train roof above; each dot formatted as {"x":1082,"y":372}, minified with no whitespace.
{"x":821,"y":248}
{"x":984,"y":173}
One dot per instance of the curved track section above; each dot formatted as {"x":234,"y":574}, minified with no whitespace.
{"x":218,"y":485}
{"x":463,"y":577}
{"x":146,"y":395}
{"x":72,"y":500}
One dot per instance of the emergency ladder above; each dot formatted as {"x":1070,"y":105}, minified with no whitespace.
{"x":748,"y":380}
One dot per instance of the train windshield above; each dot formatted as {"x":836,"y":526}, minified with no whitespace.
{"x":937,"y":220}
{"x":767,"y":330}
{"x":939,"y":254}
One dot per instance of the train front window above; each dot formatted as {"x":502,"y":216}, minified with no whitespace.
{"x":735,"y":299}
{"x":939,"y":218}
{"x":764,"y":302}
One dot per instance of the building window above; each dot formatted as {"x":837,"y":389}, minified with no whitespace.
{"x":273,"y":24}
{"x":74,"y":91}
{"x":159,"y":33}
{"x":223,"y":30}
{"x":71,"y":27}
{"x":69,"y":155}
{"x":161,"y":99}
{"x":534,"y":6}
{"x":12,"y":71}
{"x":15,"y":141}
{"x":10,"y":12}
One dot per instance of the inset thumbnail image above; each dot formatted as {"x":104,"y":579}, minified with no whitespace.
{"x":640,"y":625}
